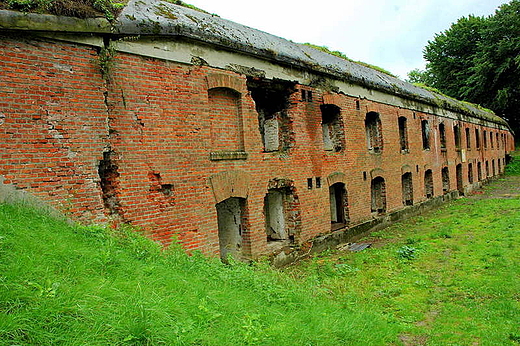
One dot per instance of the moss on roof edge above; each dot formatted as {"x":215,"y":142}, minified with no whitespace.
{"x":12,"y":20}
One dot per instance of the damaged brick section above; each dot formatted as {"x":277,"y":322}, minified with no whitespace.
{"x":272,"y":103}
{"x":282,"y":213}
{"x":160,"y":192}
{"x":109,"y":175}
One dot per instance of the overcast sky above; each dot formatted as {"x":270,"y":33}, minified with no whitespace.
{"x":390,"y":34}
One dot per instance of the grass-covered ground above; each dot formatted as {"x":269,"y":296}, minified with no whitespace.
{"x":450,"y":277}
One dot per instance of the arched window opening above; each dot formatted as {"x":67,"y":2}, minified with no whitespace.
{"x":477,"y":138}
{"x":378,"y":192}
{"x":425,"y":131}
{"x":456,"y":134}
{"x":460,"y":182}
{"x":442,"y":135}
{"x":493,"y":167}
{"x":445,"y":180}
{"x":487,"y":169}
{"x":332,"y":128}
{"x":403,"y":134}
{"x":374,"y":132}
{"x":470,"y":173}
{"x":468,"y":138}
{"x":339,"y":213}
{"x":407,"y":187}
{"x":428,"y":183}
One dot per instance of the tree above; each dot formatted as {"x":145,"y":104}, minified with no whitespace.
{"x":478,"y":60}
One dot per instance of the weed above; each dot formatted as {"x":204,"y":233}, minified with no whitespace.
{"x":407,"y":252}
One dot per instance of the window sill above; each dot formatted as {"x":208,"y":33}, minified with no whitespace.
{"x":227,"y":155}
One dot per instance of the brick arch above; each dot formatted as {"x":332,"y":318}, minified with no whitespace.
{"x":332,"y":99}
{"x":219,"y":80}
{"x":406,"y":169}
{"x":230,"y":184}
{"x":376,"y":172}
{"x":336,"y":177}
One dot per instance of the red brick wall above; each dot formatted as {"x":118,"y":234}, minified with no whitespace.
{"x":161,"y":126}
{"x":54,"y":129}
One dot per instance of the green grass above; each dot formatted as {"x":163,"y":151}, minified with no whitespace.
{"x":450,"y":277}
{"x":343,"y":56}
{"x":513,"y":168}
{"x":75,"y":285}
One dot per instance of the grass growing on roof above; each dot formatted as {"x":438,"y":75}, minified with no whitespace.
{"x":343,"y":56}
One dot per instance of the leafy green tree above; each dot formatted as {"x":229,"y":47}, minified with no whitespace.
{"x":478,"y":60}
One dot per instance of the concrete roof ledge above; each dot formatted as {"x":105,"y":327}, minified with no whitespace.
{"x":13,"y":20}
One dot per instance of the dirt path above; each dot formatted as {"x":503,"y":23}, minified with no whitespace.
{"x":503,"y":187}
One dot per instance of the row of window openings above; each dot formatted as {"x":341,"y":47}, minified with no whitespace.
{"x":375,"y":140}
{"x":275,"y":126}
{"x":281,"y":207}
{"x":457,"y":136}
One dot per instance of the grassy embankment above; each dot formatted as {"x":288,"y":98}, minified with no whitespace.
{"x":450,"y":277}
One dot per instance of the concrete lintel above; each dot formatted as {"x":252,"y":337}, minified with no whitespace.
{"x":13,"y":20}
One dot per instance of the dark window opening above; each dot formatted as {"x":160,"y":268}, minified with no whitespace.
{"x":487,"y":169}
{"x":332,"y":128}
{"x":499,"y":166}
{"x":477,"y":138}
{"x":479,"y":171}
{"x":468,"y":138}
{"x":460,"y":183}
{"x":442,"y":135}
{"x":470,"y":173}
{"x":339,"y":214}
{"x":374,"y":132}
{"x":378,"y":195}
{"x":425,"y":131}
{"x":309,"y":183}
{"x":485,"y":140}
{"x":407,"y":187}
{"x":445,"y":180}
{"x":456,"y":134}
{"x":365,"y":176}
{"x":318,"y":182}
{"x":491,"y":139}
{"x":403,"y":134}
{"x":358,"y":105}
{"x":493,"y":167}
{"x":428,"y":183}
{"x":272,"y":102}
